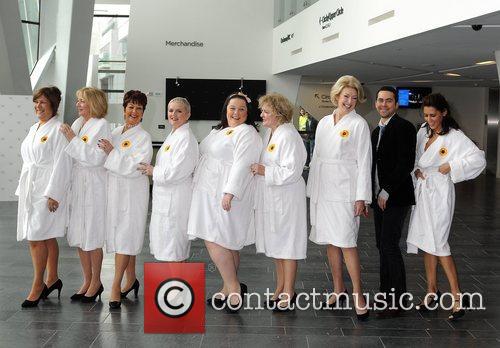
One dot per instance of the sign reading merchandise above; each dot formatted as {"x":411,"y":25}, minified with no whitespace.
{"x":326,"y":20}
{"x":183,"y":43}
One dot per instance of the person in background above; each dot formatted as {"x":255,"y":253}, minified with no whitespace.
{"x":223,"y":196}
{"x":280,"y":207}
{"x":87,"y":228}
{"x":444,"y":156}
{"x":128,"y":193}
{"x":339,"y":185}
{"x":173,"y":186}
{"x":393,"y":146}
{"x":307,"y":129}
{"x":44,"y":181}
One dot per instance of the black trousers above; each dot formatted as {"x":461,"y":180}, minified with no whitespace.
{"x":388,"y":227}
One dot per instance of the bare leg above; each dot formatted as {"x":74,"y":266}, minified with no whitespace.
{"x":224,"y":260}
{"x":335,"y":261}
{"x":121,"y":263}
{"x":290,"y":273}
{"x":86,"y":270}
{"x":96,"y":264}
{"x":52,"y":261}
{"x":130,"y":273}
{"x":236,"y":258}
{"x":38,"y":251}
{"x":451,"y":273}
{"x":280,"y":278}
{"x":430,"y":262}
{"x":354,"y":268}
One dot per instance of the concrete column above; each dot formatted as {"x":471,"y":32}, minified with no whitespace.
{"x":14,"y":74}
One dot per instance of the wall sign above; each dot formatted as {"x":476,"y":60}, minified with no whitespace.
{"x":287,"y":38}
{"x":326,"y":20}
{"x":184,"y":43}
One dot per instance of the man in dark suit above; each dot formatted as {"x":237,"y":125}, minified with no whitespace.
{"x":393,"y":144}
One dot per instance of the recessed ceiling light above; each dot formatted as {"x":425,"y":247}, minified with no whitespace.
{"x":486,"y":62}
{"x":452,"y":74}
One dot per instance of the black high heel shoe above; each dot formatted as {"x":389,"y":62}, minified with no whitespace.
{"x":30,"y":304}
{"x":455,"y":315}
{"x":235,"y":309}
{"x":87,"y":299}
{"x":57,"y":285}
{"x":134,"y":287}
{"x":115,"y":304}
{"x":342,"y":298}
{"x":423,"y":307}
{"x":289,"y":307}
{"x":364,"y":316}
{"x":216,"y":303}
{"x":76,"y":297}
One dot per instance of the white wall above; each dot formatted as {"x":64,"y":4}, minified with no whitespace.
{"x":17,"y":118}
{"x":237,"y":38}
{"x":410,"y":18}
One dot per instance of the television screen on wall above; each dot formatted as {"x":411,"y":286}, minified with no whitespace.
{"x":411,"y":97}
{"x":207,"y":96}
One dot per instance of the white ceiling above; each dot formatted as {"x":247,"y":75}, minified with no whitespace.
{"x":418,"y":60}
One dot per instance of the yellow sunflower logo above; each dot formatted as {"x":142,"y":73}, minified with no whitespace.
{"x":85,"y":138}
{"x":126,"y":144}
{"x":43,"y":139}
{"x":167,"y":148}
{"x":344,"y":133}
{"x":443,"y":151}
{"x":229,"y":132}
{"x":271,"y":147}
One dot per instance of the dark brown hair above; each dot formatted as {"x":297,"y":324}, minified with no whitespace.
{"x":136,"y":97}
{"x":223,"y":116}
{"x":53,"y":94}
{"x":438,"y":101}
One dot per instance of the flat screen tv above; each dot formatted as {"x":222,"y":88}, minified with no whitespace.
{"x":411,"y":97}
{"x":207,"y":96}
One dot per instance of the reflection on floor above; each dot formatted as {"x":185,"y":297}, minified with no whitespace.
{"x":475,"y":246}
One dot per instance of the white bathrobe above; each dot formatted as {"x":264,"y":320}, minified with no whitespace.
{"x":340,"y":174}
{"x":128,"y":191}
{"x":172,"y":190}
{"x":46,"y":172}
{"x":280,"y":203}
{"x":224,"y":167}
{"x":87,"y":221}
{"x":432,"y":214}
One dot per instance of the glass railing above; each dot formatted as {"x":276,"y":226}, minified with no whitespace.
{"x":286,"y":9}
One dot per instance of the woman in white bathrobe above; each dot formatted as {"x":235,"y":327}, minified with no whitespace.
{"x":444,"y":156}
{"x":44,"y":181}
{"x":222,"y":205}
{"x":339,"y":186}
{"x":173,"y":186}
{"x":87,"y":229}
{"x":128,"y":193}
{"x":280,"y":206}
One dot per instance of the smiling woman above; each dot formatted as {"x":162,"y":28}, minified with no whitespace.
{"x":43,"y":184}
{"x":128,"y":193}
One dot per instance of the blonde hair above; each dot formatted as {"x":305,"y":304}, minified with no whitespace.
{"x":280,"y":106}
{"x":182,"y":101}
{"x":343,"y":82}
{"x":96,"y":99}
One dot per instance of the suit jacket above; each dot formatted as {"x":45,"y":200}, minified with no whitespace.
{"x":394,"y":160}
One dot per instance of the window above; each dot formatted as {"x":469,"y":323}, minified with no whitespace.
{"x":30,"y":19}
{"x":109,"y":48}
